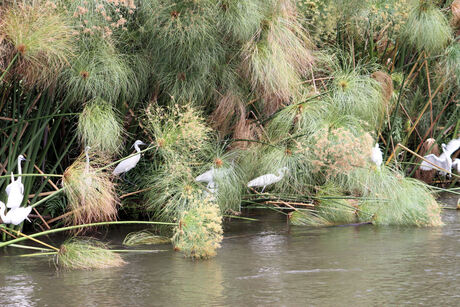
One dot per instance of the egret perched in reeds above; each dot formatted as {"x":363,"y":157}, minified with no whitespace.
{"x":444,"y":160}
{"x":377,"y":156}
{"x":87,"y":254}
{"x":19,"y":180}
{"x":16,"y":215}
{"x":456,"y":165}
{"x":16,"y":193}
{"x":206,"y":177}
{"x":267,"y":179}
{"x":129,"y":163}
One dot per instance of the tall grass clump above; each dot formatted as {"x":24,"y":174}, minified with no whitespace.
{"x":144,"y":237}
{"x":277,"y":57}
{"x":339,"y":151}
{"x":451,"y":63}
{"x":90,"y":193}
{"x":99,"y":70}
{"x":358,"y":95}
{"x":185,"y":47}
{"x":393,"y":199}
{"x":100,"y":128}
{"x":178,"y":129}
{"x":239,"y":20}
{"x":307,"y":218}
{"x":41,"y":37}
{"x":199,"y":233}
{"x":426,"y":29}
{"x":86,"y":254}
{"x":335,"y":206}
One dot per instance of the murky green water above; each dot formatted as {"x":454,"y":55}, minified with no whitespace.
{"x":261,"y":263}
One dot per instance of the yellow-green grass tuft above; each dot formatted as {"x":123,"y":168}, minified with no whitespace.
{"x":144,"y":237}
{"x":41,"y":34}
{"x":99,"y":127}
{"x":91,"y":194}
{"x":426,"y":28}
{"x":199,"y":232}
{"x":86,"y":254}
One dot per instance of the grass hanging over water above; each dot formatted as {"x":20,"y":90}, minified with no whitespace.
{"x":144,"y":237}
{"x":91,"y":194}
{"x":86,"y":254}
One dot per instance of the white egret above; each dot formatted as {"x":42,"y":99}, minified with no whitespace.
{"x":16,"y":194}
{"x":456,"y":165}
{"x":376,"y":155}
{"x":15,"y":216}
{"x":211,"y":188}
{"x":444,"y":160}
{"x":87,"y":148}
{"x":267,"y":179}
{"x":131,"y":162}
{"x":207,"y":176}
{"x":88,"y":179}
{"x":19,"y":180}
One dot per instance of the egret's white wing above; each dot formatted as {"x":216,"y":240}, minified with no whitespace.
{"x":8,"y":189}
{"x":425,"y":166}
{"x":126,"y":165}
{"x":377,"y":156}
{"x":18,"y":215}
{"x":452,"y":146}
{"x":205,"y":177}
{"x":263,"y":180}
{"x":15,"y":197}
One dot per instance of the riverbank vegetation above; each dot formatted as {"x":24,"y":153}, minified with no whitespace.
{"x":223,"y":92}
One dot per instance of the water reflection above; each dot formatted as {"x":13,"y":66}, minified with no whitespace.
{"x":263,"y":263}
{"x":17,"y":290}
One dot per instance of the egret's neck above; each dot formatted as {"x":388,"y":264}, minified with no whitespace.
{"x":87,"y":162}
{"x":137,"y":147}
{"x":19,"y":167}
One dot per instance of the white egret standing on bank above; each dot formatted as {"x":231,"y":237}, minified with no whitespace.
{"x":376,"y":155}
{"x":15,"y":216}
{"x":444,"y":160}
{"x":129,"y":163}
{"x":267,"y":179}
{"x":16,"y":194}
{"x":19,"y":180}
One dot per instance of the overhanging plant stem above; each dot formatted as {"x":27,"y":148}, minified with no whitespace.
{"x":9,"y":66}
{"x":47,"y":232}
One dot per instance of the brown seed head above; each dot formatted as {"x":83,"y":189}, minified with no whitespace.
{"x":22,"y":49}
{"x":84,"y":74}
{"x":218,"y":162}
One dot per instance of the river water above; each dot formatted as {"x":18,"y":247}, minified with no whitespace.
{"x":260,"y":263}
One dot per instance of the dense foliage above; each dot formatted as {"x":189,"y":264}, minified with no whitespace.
{"x":238,"y":87}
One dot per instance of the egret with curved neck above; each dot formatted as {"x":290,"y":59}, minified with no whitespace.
{"x":19,"y":180}
{"x":268,"y":179}
{"x":131,"y":162}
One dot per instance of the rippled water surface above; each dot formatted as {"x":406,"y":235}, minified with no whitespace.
{"x":260,"y":263}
